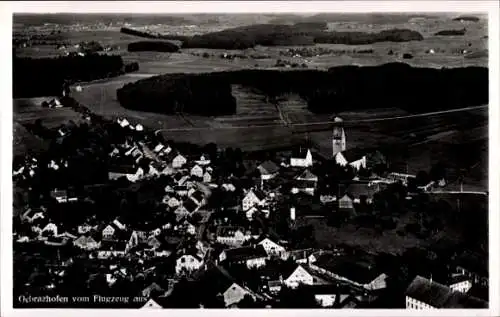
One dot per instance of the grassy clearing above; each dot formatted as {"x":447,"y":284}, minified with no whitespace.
{"x":24,"y":142}
{"x":28,"y":110}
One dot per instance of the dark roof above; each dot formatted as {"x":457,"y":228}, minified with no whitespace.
{"x":457,"y":279}
{"x":300,"y":152}
{"x":198,"y":195}
{"x":268,"y":167}
{"x":353,"y":154}
{"x":307,"y":175}
{"x":190,"y":205}
{"x":303,"y":184}
{"x":300,"y":254}
{"x":354,"y":269}
{"x":440,"y":296}
{"x":122,"y":169}
{"x":473,"y":262}
{"x":245,"y":253}
{"x":228,"y":231}
{"x":215,"y":280}
{"x":357,"y":190}
{"x":180,"y":187}
{"x":260,"y":194}
{"x":113,"y":245}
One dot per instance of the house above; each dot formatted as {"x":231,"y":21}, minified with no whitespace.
{"x":207,"y":178}
{"x":190,"y":205}
{"x":61,"y":196}
{"x":268,"y":170}
{"x":55,"y":241}
{"x":235,"y":293}
{"x":252,"y":198}
{"x":196,"y":171}
{"x":300,"y":256}
{"x":273,"y":249}
{"x":181,"y":212}
{"x":360,"y":192}
{"x":198,"y":197}
{"x":110,"y":249}
{"x":346,"y":206}
{"x":173,"y":202}
{"x":359,"y":271}
{"x":303,"y":186}
{"x":301,"y":157}
{"x":32,"y":214}
{"x":144,"y":239}
{"x":231,"y":236}
{"x":158,"y":148}
{"x":85,"y":228}
{"x":179,"y":161}
{"x":298,"y":277}
{"x":472,"y":265}
{"x":228,"y":187}
{"x":427,"y":294}
{"x":129,"y":172}
{"x":252,"y":256}
{"x":188,"y":263}
{"x":356,"y":158}
{"x":204,"y":160}
{"x":460,"y":283}
{"x":108,"y":232}
{"x":50,"y":228}
{"x":151,"y":304}
{"x":306,"y":175}
{"x":86,"y":243}
{"x":181,"y":190}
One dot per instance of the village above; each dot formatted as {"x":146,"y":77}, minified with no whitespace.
{"x":123,"y":212}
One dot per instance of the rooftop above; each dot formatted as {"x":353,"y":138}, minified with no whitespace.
{"x":440,"y":296}
{"x":245,"y":253}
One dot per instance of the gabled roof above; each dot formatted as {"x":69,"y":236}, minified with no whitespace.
{"x":357,"y":190}
{"x":440,"y":296}
{"x":307,"y":175}
{"x":190,"y":205}
{"x":268,"y":168}
{"x":300,"y":152}
{"x":113,"y":245}
{"x":245,"y":253}
{"x":198,"y":195}
{"x":260,"y":194}
{"x":355,"y":269}
{"x":353,"y":154}
{"x":122,"y":169}
{"x":228,"y":231}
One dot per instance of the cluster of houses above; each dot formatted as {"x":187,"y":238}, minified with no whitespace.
{"x":336,"y":279}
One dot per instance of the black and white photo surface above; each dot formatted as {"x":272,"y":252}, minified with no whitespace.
{"x":329,"y":160}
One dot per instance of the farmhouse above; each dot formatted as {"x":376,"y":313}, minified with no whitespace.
{"x":300,"y":276}
{"x":188,"y":263}
{"x":197,"y":171}
{"x":232,"y":236}
{"x":179,"y":161}
{"x":252,"y":256}
{"x":252,"y":198}
{"x":272,"y":248}
{"x":427,"y":294}
{"x":268,"y":170}
{"x":301,"y":157}
{"x":355,"y":271}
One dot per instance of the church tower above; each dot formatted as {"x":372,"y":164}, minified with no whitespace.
{"x":338,"y":141}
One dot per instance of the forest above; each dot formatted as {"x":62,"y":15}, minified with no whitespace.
{"x":302,"y":33}
{"x":450,"y":32}
{"x":34,"y":77}
{"x":339,"y":88}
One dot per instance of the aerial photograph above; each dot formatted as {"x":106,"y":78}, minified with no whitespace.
{"x":319,"y":160}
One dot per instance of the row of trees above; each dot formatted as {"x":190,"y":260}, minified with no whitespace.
{"x":341,"y":88}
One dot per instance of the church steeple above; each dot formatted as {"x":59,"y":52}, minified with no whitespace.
{"x":338,"y":138}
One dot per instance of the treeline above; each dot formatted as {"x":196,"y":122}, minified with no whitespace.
{"x":154,"y":46}
{"x":199,"y":94}
{"x":338,"y":89}
{"x":149,"y":35}
{"x":450,"y":32}
{"x":307,"y":33}
{"x":46,"y":76}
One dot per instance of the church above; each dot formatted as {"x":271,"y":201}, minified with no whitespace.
{"x":342,"y":156}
